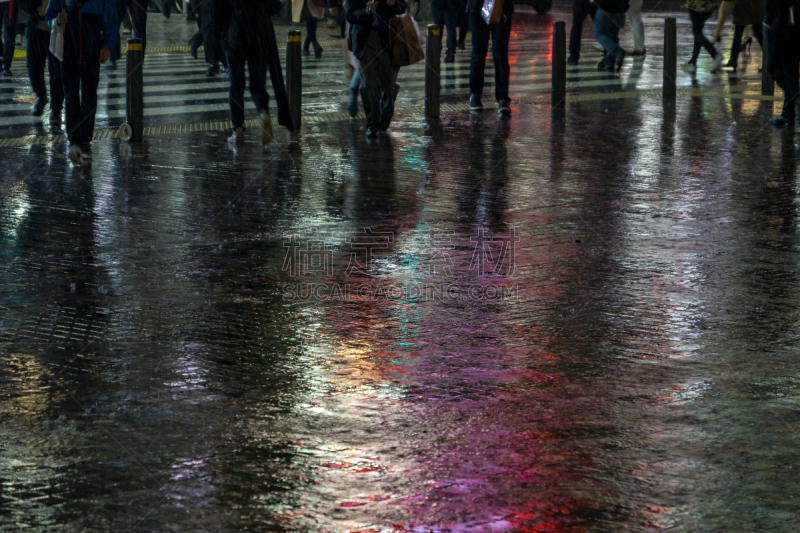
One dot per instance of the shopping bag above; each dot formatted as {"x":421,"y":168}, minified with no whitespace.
{"x":492,"y":11}
{"x":57,"y":41}
{"x":406,"y":41}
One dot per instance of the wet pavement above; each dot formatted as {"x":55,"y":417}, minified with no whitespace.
{"x":578,"y":321}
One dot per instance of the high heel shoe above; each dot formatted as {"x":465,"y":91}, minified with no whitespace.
{"x":746,"y":45}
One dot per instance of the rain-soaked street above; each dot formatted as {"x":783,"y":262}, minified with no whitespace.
{"x":569,"y":321}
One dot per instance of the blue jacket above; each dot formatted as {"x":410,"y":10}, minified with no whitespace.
{"x":87,"y":31}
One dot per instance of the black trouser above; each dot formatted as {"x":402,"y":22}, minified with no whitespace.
{"x":9,"y":14}
{"x":784,"y":62}
{"x":80,"y":95}
{"x":500,"y":33}
{"x":738,"y":31}
{"x":257,"y":65}
{"x":213,"y":40}
{"x":137,"y":9}
{"x":700,"y":41}
{"x":37,"y":52}
{"x":580,"y":10}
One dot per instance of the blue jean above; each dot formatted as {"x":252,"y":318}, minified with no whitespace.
{"x":80,"y":98}
{"x":606,"y":31}
{"x":446,"y":19}
{"x":500,"y":34}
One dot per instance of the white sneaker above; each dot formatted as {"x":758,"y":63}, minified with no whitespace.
{"x":689,"y":67}
{"x":715,"y":66}
{"x":75,"y":155}
{"x":266,"y":128}
{"x":237,"y":137}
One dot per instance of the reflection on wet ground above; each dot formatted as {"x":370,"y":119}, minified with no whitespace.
{"x":563,"y":322}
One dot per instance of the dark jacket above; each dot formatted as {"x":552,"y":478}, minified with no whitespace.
{"x":361,"y":22}
{"x":748,"y":12}
{"x":86,"y":31}
{"x":613,"y":6}
{"x":248,"y":24}
{"x":31,"y":8}
{"x":474,"y":7}
{"x":784,"y":37}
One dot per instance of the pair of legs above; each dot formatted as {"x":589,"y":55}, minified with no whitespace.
{"x":448,"y":19}
{"x":137,"y":10}
{"x":784,"y":63}
{"x":500,"y":34}
{"x":80,"y":97}
{"x":736,"y":48}
{"x":606,"y":31}
{"x":9,"y":20}
{"x":257,"y":65}
{"x":37,"y":52}
{"x":725,"y":8}
{"x":700,"y":41}
{"x":377,"y":84}
{"x":637,"y":25}
{"x":580,"y":10}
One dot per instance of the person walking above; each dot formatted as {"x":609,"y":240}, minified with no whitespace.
{"x":37,"y":36}
{"x":699,"y":13}
{"x":445,"y":16}
{"x":90,"y":30}
{"x":500,"y":33}
{"x":580,"y":10}
{"x":745,"y":12}
{"x":309,"y":11}
{"x":783,"y":24}
{"x":608,"y":21}
{"x":250,"y":35}
{"x":8,"y":11}
{"x":637,"y":27}
{"x":369,"y":31}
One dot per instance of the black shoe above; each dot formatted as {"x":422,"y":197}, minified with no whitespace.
{"x":372,"y":132}
{"x":193,"y":50}
{"x":572,"y":60}
{"x":746,"y":45}
{"x":165,"y":8}
{"x":450,"y":56}
{"x":504,"y":108}
{"x":212,"y":71}
{"x":7,"y":73}
{"x":38,"y":108}
{"x":306,"y":48}
{"x":461,"y":45}
{"x":55,"y":114}
{"x":317,"y":50}
{"x":783,"y":122}
{"x":602,"y":64}
{"x":475,"y":103}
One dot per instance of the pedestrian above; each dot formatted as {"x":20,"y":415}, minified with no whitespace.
{"x":213,"y":40}
{"x":637,"y":27}
{"x":369,"y":33}
{"x":445,"y":15}
{"x":580,"y":10}
{"x":500,"y":33}
{"x":783,"y":25}
{"x":351,"y":64}
{"x":608,"y":20}
{"x":699,"y":13}
{"x":309,"y":11}
{"x":37,"y":35}
{"x":8,"y":11}
{"x":90,"y":30}
{"x":462,"y":23}
{"x":250,"y":35}
{"x":745,"y":12}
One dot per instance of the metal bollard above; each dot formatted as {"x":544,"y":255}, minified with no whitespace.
{"x":559,"y":75}
{"x":133,"y":128}
{"x":294,"y":76}
{"x":433,"y":55}
{"x":670,"y":89}
{"x":767,"y":83}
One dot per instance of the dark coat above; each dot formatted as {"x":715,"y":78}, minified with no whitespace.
{"x":748,"y":12}
{"x":474,"y":7}
{"x":784,"y":37}
{"x":361,"y":22}
{"x":248,"y":24}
